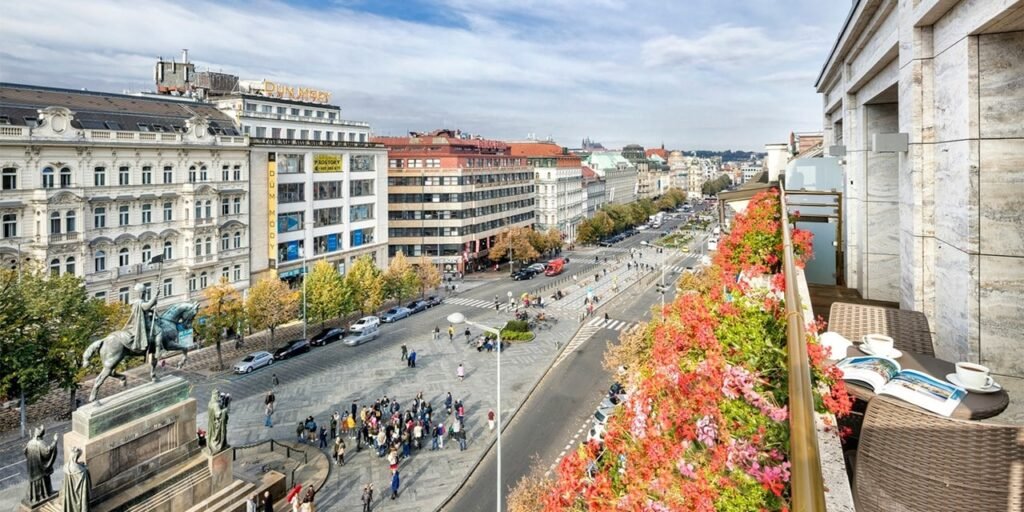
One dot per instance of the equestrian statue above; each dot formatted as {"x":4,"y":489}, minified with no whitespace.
{"x":145,"y":334}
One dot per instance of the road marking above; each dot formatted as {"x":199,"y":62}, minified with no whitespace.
{"x":568,"y":446}
{"x":8,"y":477}
{"x":10,"y":465}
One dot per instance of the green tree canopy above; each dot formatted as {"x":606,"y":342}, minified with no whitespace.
{"x":430,"y":276}
{"x":222,"y":310}
{"x":366,"y":283}
{"x":325,"y":292}
{"x":519,"y":240}
{"x":270,"y":304}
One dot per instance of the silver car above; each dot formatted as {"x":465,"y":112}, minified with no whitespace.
{"x":353,"y":338}
{"x":253,"y":361}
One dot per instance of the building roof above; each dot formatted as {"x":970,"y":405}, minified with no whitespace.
{"x":589,"y":174}
{"x":416,"y":141}
{"x":535,"y":149}
{"x":20,"y":105}
{"x":601,"y":160}
{"x":661,"y":152}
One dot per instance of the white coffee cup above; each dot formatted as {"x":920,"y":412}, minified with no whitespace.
{"x":879,"y":344}
{"x":973,"y":375}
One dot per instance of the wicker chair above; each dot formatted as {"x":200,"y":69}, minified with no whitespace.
{"x":911,"y":460}
{"x":908,"y":329}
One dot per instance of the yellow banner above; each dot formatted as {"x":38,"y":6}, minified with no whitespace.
{"x":272,"y":206}
{"x":326,"y":163}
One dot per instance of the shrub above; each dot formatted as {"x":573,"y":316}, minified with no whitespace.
{"x":517,"y":326}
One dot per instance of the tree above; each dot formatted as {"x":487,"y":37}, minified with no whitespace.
{"x":222,"y":312}
{"x":430,"y":276}
{"x":401,"y":279}
{"x":270,"y":304}
{"x":366,"y":282}
{"x":518,"y":241}
{"x":325,"y":293}
{"x":554,"y":239}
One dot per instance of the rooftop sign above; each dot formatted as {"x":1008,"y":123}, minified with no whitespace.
{"x":289,"y":92}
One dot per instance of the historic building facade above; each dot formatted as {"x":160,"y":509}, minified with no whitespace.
{"x":561,"y":197}
{"x":97,"y":185}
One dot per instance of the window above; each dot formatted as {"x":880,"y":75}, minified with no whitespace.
{"x":192,"y":283}
{"x":320,"y":113}
{"x":168,"y":287}
{"x":267,"y":109}
{"x":199,"y":247}
{"x":308,"y":113}
{"x":282,"y":110}
{"x":395,"y":163}
{"x":147,"y":175}
{"x":225,"y":273}
{"x":225,"y":206}
{"x":199,"y":210}
{"x":327,"y":190}
{"x":168,"y":251}
{"x":304,"y":134}
{"x":122,"y":215}
{"x":192,"y":174}
{"x":168,"y":212}
{"x":316,"y":134}
{"x":238,"y":273}
{"x":122,"y":295}
{"x":122,"y":257}
{"x":290,"y":164}
{"x":363,"y":163}
{"x":295,"y":111}
{"x":55,"y":223}
{"x":261,"y":132}
{"x":327,"y":216}
{"x":168,"y":174}
{"x":237,"y":172}
{"x":99,"y":261}
{"x":275,"y":133}
{"x":291,"y":192}
{"x":202,"y":173}
{"x":99,"y":217}
{"x":433,"y":162}
{"x":10,"y":225}
{"x":100,"y":296}
{"x":290,"y":221}
{"x":361,"y":212}
{"x":225,"y":173}
{"x":209,"y":245}
{"x":225,"y":241}
{"x":69,"y":265}
{"x":360,"y":188}
{"x":147,"y":213}
{"x":290,"y":133}
{"x":147,"y":253}
{"x":147,"y":291}
{"x":362,"y":137}
{"x":238,"y":239}
{"x":209,"y":209}
{"x":236,"y":206}
{"x":48,"y":177}
{"x":123,"y":176}
{"x":10,"y":179}
{"x":65,"y":177}
{"x":70,"y":224}
{"x":202,"y":280}
{"x":251,"y":107}
{"x":99,"y":177}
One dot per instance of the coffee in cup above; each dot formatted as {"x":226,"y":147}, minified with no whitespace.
{"x":878,"y":344}
{"x":973,"y":375}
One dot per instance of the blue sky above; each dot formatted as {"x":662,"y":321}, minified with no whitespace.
{"x":690,"y":74}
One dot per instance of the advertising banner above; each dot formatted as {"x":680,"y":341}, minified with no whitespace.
{"x":357,"y":238}
{"x":272,"y":206}
{"x":332,"y":242}
{"x":323,"y":162}
{"x":293,"y":250}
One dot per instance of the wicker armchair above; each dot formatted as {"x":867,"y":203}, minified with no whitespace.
{"x":908,"y":329}
{"x":911,"y":460}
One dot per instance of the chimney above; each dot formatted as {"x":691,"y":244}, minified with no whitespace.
{"x":184,"y":56}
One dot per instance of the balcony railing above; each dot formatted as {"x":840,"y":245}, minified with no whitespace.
{"x":65,"y":237}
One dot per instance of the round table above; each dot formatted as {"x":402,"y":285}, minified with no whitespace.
{"x":974,"y":406}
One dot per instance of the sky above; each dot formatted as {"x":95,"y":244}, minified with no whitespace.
{"x":689,"y":74}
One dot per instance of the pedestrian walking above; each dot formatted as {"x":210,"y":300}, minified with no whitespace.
{"x":268,"y":502}
{"x":405,"y":352}
{"x":300,"y":431}
{"x":460,"y":372}
{"x":267,"y":413}
{"x":339,"y":451}
{"x":412,"y":359}
{"x":437,"y":332}
{"x":250,"y":504}
{"x":395,"y":480}
{"x":323,"y":438}
{"x":334,"y":424}
{"x":451,"y":333}
{"x":467,"y":334}
{"x":490,"y":419}
{"x":367,"y":497}
{"x":273,"y":379}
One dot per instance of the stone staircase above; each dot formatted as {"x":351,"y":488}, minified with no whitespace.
{"x":160,"y":500}
{"x":229,"y":499}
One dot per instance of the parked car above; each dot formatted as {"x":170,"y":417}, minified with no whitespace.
{"x":364,"y":322}
{"x":353,"y":338}
{"x":537,"y":267}
{"x":434,"y":300}
{"x":395,"y":314}
{"x":596,"y":433}
{"x":607,"y":242}
{"x":327,"y":336}
{"x":254,"y":361}
{"x":523,"y":275}
{"x":292,"y":348}
{"x":416,"y":306}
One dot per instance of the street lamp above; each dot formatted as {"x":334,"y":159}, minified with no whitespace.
{"x":458,"y":319}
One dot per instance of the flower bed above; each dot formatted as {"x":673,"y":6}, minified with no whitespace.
{"x":706,"y":424}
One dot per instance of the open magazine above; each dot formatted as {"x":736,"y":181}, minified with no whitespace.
{"x":885,"y":377}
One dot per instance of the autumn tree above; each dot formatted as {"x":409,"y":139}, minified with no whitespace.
{"x":554,"y":238}
{"x":516,"y":240}
{"x":222,"y":311}
{"x":325,"y":292}
{"x":270,"y":304}
{"x":401,"y":279}
{"x":429,"y":275}
{"x":366,"y":283}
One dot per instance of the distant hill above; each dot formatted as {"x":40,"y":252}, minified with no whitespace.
{"x":727,"y":155}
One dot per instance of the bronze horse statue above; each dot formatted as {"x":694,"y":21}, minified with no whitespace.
{"x":164,"y":338}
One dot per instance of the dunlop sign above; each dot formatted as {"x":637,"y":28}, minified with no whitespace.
{"x":289,"y":92}
{"x":272,"y":206}
{"x":326,"y":162}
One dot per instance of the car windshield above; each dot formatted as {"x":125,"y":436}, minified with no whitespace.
{"x":248,"y":359}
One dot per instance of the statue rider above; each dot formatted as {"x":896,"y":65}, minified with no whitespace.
{"x":140,"y":322}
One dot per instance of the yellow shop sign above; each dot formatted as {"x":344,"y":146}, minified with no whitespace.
{"x":327,"y":162}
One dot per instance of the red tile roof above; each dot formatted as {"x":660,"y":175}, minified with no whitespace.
{"x":657,"y":151}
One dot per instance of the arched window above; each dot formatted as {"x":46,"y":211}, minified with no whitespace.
{"x":192,"y":283}
{"x":202,"y":280}
{"x":225,"y":242}
{"x":192,"y":174}
{"x":199,"y":247}
{"x":202,"y":173}
{"x":69,"y":222}
{"x":209,"y":211}
{"x":238,"y":239}
{"x":122,"y":257}
{"x":48,"y":177}
{"x":55,"y":223}
{"x":99,"y":261}
{"x":168,"y":250}
{"x":168,"y":287}
{"x":65,"y":177}
{"x":209,"y":245}
{"x":55,"y":267}
{"x":69,"y":265}
{"x":147,"y":253}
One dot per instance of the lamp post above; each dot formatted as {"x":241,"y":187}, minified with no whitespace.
{"x":457,"y":319}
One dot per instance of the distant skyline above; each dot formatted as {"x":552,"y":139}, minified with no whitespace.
{"x":710,"y":74}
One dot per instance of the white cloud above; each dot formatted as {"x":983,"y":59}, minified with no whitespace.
{"x":617,"y":71}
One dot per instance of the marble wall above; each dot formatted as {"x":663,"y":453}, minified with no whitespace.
{"x":881,"y":207}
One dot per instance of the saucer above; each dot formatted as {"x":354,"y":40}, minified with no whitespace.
{"x":895,"y":354}
{"x":990,"y":389}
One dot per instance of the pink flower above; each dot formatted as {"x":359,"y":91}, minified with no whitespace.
{"x":707,"y":431}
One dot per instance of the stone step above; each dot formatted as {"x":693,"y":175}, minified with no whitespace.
{"x":228,"y":499}
{"x":166,"y":494}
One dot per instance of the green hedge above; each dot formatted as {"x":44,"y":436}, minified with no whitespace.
{"x":517,"y":326}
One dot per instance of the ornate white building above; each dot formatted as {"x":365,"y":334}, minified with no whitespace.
{"x":97,"y":184}
{"x":561,"y":197}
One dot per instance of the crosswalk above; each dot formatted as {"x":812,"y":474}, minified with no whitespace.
{"x":612,"y":324}
{"x":478,"y":303}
